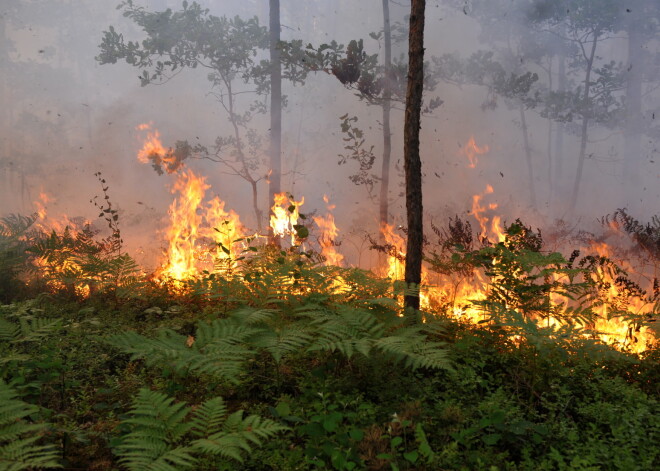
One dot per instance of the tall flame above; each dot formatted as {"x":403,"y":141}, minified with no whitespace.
{"x":328,"y":236}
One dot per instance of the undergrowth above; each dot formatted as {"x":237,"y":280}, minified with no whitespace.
{"x":285,"y":364}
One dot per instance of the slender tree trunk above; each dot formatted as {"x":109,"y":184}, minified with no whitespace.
{"x":548,"y":148}
{"x":387,"y":106}
{"x":387,"y":134}
{"x":528,"y":156}
{"x":559,"y":132}
{"x":413,"y":164}
{"x":241,"y":157}
{"x":275,"y":107}
{"x":585,"y":125}
{"x":633,"y":132}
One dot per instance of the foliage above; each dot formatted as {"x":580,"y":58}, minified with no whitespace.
{"x":357,"y":151}
{"x":20,"y":437}
{"x":285,"y":364}
{"x":527,"y":286}
{"x":13,"y":258}
{"x":160,"y":439}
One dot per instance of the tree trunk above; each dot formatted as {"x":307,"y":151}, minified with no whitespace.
{"x":528,"y":157}
{"x":585,"y":125}
{"x":632,"y":132}
{"x":413,"y":164}
{"x":275,"y":108}
{"x":559,"y":132}
{"x":387,"y":106}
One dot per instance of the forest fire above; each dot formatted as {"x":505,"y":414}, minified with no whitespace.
{"x":202,"y":237}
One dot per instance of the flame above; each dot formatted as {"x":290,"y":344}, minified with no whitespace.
{"x":151,"y":145}
{"x":154,"y":151}
{"x":471,"y":150}
{"x":284,"y":216}
{"x":199,"y":234}
{"x":492,"y":231}
{"x":328,"y":236}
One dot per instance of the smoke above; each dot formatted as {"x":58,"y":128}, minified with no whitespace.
{"x":64,"y":117}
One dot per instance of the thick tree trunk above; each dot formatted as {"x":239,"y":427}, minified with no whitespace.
{"x":275,"y":107}
{"x":413,"y":165}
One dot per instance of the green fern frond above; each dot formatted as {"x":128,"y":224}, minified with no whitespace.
{"x":18,"y":438}
{"x":217,"y":351}
{"x":157,"y":425}
{"x":283,"y":341}
{"x":238,"y":435}
{"x":411,"y":346}
{"x":36,"y":329}
{"x":249,"y":315}
{"x":209,"y":417}
{"x":162,"y":440}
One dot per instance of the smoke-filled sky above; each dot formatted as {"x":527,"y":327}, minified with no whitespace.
{"x":64,"y":116}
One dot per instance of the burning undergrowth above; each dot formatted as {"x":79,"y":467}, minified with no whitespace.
{"x":563,"y":283}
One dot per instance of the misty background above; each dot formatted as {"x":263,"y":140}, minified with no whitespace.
{"x":64,"y":116}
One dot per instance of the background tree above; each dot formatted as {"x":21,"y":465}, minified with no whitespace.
{"x":227,"y":47}
{"x":275,"y":103}
{"x":594,"y":100}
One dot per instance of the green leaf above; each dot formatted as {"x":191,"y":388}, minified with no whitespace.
{"x":411,"y":456}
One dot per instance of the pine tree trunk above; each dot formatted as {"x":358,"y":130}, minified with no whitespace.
{"x":413,"y":165}
{"x":275,"y":107}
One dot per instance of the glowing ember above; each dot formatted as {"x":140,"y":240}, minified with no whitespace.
{"x":328,"y":236}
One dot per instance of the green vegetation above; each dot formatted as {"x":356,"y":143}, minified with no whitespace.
{"x":285,"y":364}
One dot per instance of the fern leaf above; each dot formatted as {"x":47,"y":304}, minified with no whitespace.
{"x":249,"y":315}
{"x":284,"y":341}
{"x":209,"y":417}
{"x":238,"y":435}
{"x":409,"y":345}
{"x":157,"y":424}
{"x":18,"y":439}
{"x":36,"y":329}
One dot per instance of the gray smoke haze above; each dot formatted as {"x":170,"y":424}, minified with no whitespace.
{"x":63,"y":117}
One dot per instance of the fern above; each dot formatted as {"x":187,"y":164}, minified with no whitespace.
{"x":410,"y":345}
{"x":218,"y":350}
{"x":283,"y":341}
{"x":18,"y":437}
{"x":161,"y":439}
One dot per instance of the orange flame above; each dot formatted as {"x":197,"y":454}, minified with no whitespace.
{"x":472,"y":150}
{"x":285,"y":214}
{"x":199,"y":235}
{"x":494,"y":229}
{"x":328,"y":236}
